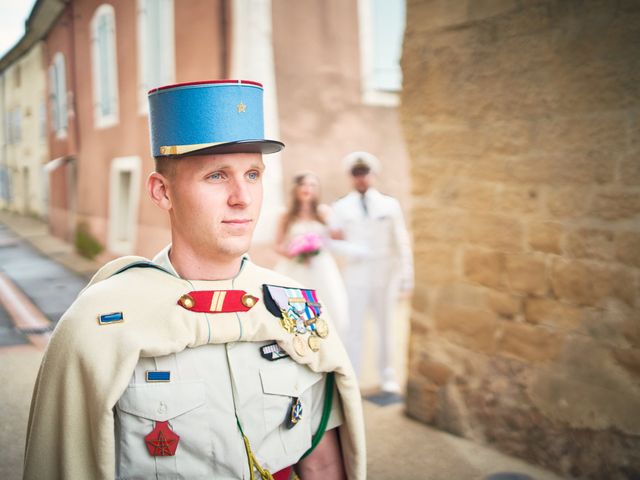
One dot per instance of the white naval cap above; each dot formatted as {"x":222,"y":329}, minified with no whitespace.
{"x":361,"y":159}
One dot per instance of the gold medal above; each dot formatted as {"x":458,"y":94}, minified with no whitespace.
{"x":322,"y":329}
{"x":287,"y":322}
{"x":314,"y":343}
{"x":299,"y":345}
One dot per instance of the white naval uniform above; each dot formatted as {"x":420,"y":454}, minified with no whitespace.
{"x":199,"y":404}
{"x":379,"y":264}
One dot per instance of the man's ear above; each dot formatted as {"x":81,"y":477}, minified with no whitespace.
{"x":158,"y":188}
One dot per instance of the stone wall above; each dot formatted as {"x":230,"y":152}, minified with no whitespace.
{"x":522,"y":120}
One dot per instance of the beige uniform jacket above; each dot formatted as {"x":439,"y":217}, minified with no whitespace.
{"x":207,"y":386}
{"x":88,"y":367}
{"x":378,"y":241}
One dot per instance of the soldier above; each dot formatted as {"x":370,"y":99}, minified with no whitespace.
{"x":379,"y":262}
{"x":199,"y":363}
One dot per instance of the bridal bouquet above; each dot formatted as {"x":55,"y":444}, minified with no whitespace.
{"x":305,"y":246}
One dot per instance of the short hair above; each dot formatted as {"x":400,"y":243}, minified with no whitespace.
{"x":165,"y":166}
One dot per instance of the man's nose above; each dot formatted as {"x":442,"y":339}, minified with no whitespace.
{"x":239,"y":194}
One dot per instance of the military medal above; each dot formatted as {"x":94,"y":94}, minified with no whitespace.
{"x":321,"y":328}
{"x":217,"y":301}
{"x":162,"y":441}
{"x":295,"y":412}
{"x":314,"y":343}
{"x":299,"y":346}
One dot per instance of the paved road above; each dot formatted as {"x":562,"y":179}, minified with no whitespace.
{"x":398,"y":447}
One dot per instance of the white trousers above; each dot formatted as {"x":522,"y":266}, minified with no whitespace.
{"x":378,"y":295}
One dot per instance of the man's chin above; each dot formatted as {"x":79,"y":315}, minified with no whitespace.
{"x":236,"y":248}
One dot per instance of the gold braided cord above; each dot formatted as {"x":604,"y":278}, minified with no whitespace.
{"x":253,"y":462}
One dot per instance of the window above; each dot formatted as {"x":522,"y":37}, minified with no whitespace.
{"x":105,"y":70}
{"x":156,"y":58}
{"x":124,"y":196}
{"x":14,"y":130}
{"x":58,"y":96}
{"x":42,"y":120}
{"x":382,"y":24}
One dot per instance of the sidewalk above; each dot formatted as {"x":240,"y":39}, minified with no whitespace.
{"x":398,"y":447}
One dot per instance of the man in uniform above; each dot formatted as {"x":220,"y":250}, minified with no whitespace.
{"x":123,"y":391}
{"x":379,"y":262}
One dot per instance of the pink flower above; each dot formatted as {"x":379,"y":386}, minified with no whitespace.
{"x":305,"y":246}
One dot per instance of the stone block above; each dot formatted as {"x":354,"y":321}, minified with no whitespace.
{"x":518,"y":199}
{"x":529,"y":343}
{"x":629,"y":169}
{"x":529,"y":19}
{"x":489,"y":167}
{"x":561,"y":169}
{"x":579,"y":137}
{"x":629,"y":358}
{"x":627,"y":245}
{"x":443,"y":142}
{"x":526,"y":273}
{"x":504,"y":304}
{"x":484,"y":9}
{"x":496,"y":231}
{"x":471,"y":328}
{"x":435,"y":14}
{"x":507,"y":138}
{"x":552,"y":313}
{"x":591,"y":243}
{"x":467,"y":194}
{"x":422,"y":400}
{"x":462,"y":295}
{"x":616,"y":205}
{"x":613,"y":324}
{"x":435,"y":224}
{"x":420,"y":300}
{"x":545,"y":236}
{"x":435,"y":263}
{"x":486,"y":267}
{"x":590,"y":283}
{"x":568,"y":202}
{"x":435,"y":372}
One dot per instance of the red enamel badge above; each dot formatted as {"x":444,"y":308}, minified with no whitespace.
{"x":162,"y":441}
{"x":217,"y":301}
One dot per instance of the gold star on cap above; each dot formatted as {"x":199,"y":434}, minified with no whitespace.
{"x":241,"y":107}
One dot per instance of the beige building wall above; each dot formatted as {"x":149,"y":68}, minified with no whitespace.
{"x":523,"y":126}
{"x":26,"y":142}
{"x":324,"y":112}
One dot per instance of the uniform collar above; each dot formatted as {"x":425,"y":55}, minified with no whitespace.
{"x":162,"y":259}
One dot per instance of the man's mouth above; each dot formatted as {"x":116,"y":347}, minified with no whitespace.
{"x":237,"y":221}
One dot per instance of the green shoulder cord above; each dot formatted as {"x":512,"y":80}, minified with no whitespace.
{"x":326,"y":412}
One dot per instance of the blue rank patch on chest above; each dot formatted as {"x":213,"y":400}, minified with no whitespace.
{"x":157,"y":376}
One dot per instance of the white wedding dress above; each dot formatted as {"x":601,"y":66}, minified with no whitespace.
{"x":320,"y":273}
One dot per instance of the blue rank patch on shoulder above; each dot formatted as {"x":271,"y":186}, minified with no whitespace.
{"x":158,"y":376}
{"x":109,"y":318}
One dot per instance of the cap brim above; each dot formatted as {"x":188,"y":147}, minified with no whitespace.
{"x":240,"y":146}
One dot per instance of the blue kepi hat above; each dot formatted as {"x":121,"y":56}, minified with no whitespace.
{"x":217,"y":116}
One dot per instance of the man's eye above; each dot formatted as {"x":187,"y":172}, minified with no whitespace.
{"x":253,"y":175}
{"x":216,"y":176}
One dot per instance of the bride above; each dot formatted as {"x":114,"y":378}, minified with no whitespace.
{"x":303,"y":238}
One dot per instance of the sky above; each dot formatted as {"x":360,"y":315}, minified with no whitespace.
{"x":13,"y":14}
